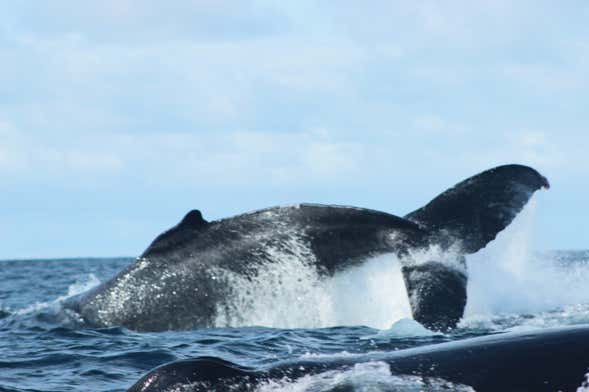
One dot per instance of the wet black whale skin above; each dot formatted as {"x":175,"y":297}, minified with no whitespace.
{"x":548,"y":360}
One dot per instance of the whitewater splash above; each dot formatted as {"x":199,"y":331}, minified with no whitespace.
{"x":290,"y":293}
{"x":284,"y":293}
{"x":78,"y":287}
{"x":370,"y":376}
{"x":509,"y":285}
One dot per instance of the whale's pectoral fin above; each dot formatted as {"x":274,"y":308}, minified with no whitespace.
{"x":478,"y":208}
{"x":437,"y":293}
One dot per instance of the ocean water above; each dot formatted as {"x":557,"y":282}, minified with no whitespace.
{"x":365,"y":310}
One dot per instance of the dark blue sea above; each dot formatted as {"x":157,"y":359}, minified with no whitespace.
{"x":44,"y":348}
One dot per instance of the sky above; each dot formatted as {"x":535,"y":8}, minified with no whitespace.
{"x":119,"y":116}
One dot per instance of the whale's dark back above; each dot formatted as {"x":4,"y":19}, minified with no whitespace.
{"x":338,"y":236}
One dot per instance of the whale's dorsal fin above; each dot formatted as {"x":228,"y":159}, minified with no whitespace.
{"x":475,"y":210}
{"x":193,"y":220}
{"x":191,"y":223}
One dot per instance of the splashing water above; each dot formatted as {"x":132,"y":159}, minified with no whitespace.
{"x":74,"y":289}
{"x":287,"y":293}
{"x":510,"y":285}
{"x":372,"y":294}
{"x":370,"y":376}
{"x":507,"y":283}
{"x":585,"y":385}
{"x":290,"y":293}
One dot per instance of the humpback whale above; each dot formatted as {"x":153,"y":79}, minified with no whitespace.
{"x":179,"y":282}
{"x":546,"y":360}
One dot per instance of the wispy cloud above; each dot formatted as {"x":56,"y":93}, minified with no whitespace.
{"x":250,"y":158}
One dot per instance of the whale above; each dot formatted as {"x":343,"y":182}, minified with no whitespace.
{"x":183,"y":281}
{"x":552,"y":359}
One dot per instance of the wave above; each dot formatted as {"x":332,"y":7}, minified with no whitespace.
{"x":76,"y":288}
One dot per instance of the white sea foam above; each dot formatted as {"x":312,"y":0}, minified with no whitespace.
{"x":584,"y":387}
{"x":80,"y":286}
{"x":372,"y":294}
{"x":370,"y":376}
{"x":341,"y":354}
{"x":406,"y":328}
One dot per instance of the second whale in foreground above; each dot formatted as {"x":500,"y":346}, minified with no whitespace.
{"x":541,"y":361}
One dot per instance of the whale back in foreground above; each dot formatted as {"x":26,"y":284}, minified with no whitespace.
{"x":546,"y":360}
{"x":183,"y":279}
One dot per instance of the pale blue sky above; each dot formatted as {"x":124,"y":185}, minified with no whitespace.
{"x":118,"y":116}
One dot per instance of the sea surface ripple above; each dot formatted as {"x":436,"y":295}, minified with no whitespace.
{"x":46,"y":349}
